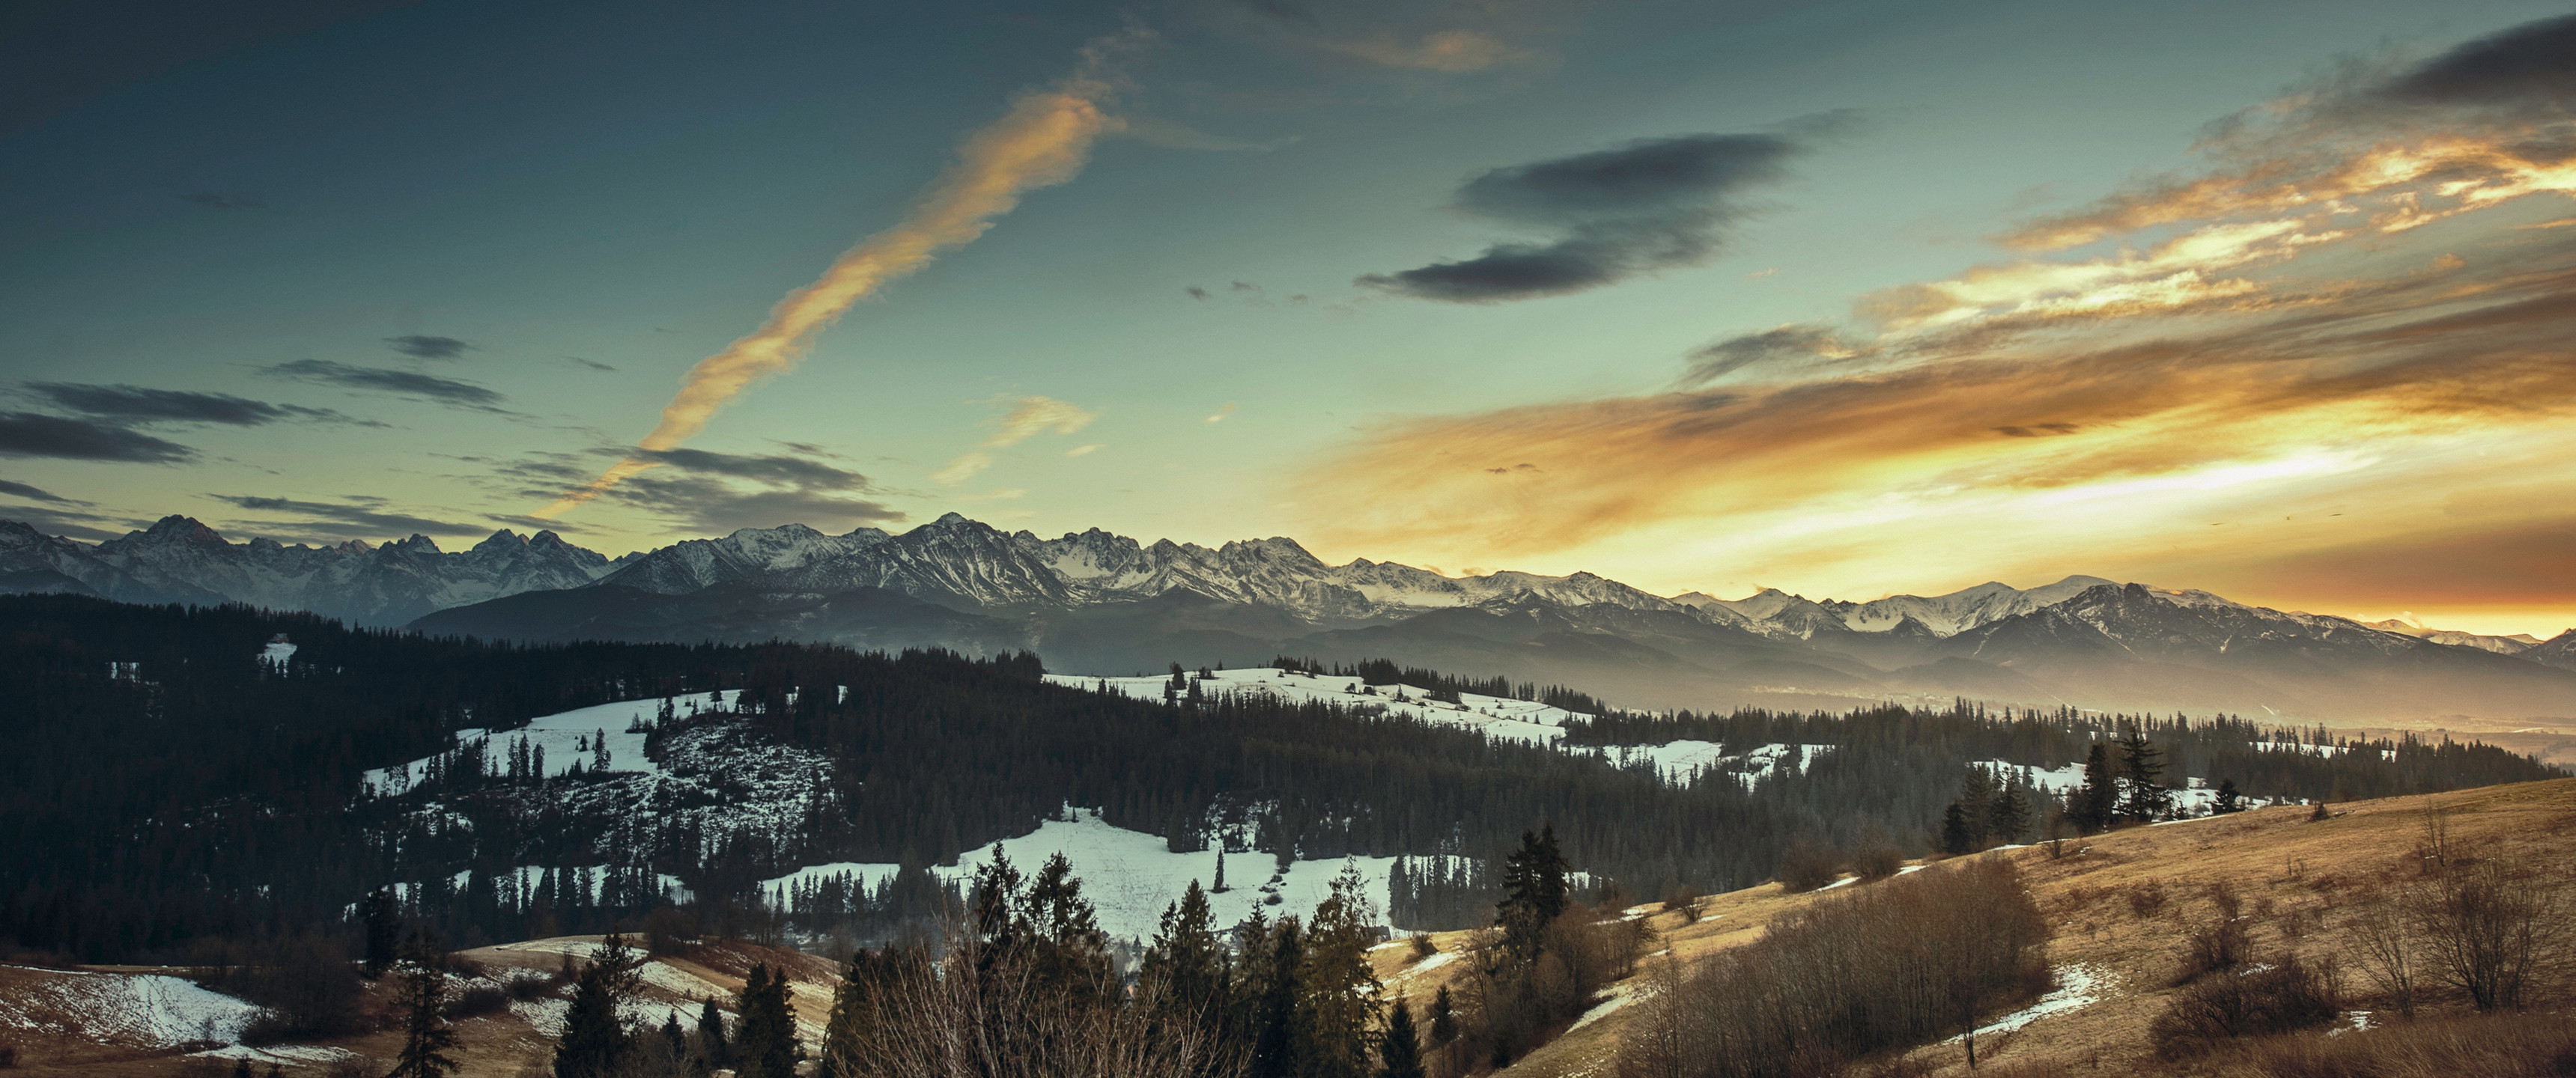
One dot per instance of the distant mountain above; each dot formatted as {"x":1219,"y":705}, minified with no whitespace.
{"x":2515,"y":644}
{"x":1097,"y":603}
{"x":179,"y":560}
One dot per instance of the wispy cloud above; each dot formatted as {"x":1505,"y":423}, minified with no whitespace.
{"x":1449,"y":52}
{"x":36,"y":494}
{"x":419,"y":346}
{"x":354,"y":517}
{"x":412,"y":385}
{"x":1027,"y":418}
{"x":137,"y":404}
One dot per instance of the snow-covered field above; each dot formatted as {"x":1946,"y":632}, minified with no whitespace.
{"x":2077,"y":987}
{"x":1130,"y":875}
{"x":143,"y":1010}
{"x":1495,"y":716}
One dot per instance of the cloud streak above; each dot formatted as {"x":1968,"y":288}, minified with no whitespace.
{"x":1027,"y":418}
{"x":419,"y":346}
{"x":1043,"y":140}
{"x":1648,"y":205}
{"x":137,"y":404}
{"x":407,"y":384}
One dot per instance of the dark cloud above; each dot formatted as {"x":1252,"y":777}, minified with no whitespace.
{"x":25,"y":434}
{"x":447,"y":391}
{"x":1793,"y":346}
{"x":1196,"y":292}
{"x":135,"y":404}
{"x":418,"y":346}
{"x":766,"y":468}
{"x":711,"y":492}
{"x":35,"y":494}
{"x":533,"y":524}
{"x":592,"y":364}
{"x":359,"y":517}
{"x":214,"y":201}
{"x":1649,"y":205}
{"x":2533,"y":62}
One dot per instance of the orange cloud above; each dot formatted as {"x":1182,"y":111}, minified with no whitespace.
{"x":2243,"y":382}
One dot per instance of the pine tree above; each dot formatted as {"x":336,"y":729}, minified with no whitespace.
{"x":672,"y":1034}
{"x":2009,"y":818}
{"x":384,"y":930}
{"x":1337,"y":992}
{"x":712,"y":1045}
{"x":1275,"y":1042}
{"x":2228,"y":799}
{"x":1444,"y":1018}
{"x":1534,"y":890}
{"x":845,"y":1032}
{"x":766,"y":1045}
{"x":1183,"y":972}
{"x":2098,"y":801}
{"x":594,"y":1040}
{"x":2145,"y":800}
{"x":1400,"y":1052}
{"x":423,"y":1000}
{"x":1955,"y":837}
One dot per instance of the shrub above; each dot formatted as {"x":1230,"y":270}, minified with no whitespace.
{"x":1878,"y":860}
{"x":478,"y":1000}
{"x":2288,"y":995}
{"x":8,"y":1055}
{"x":2146,"y":898}
{"x":2220,"y":944}
{"x":1423,"y":947}
{"x":529,"y":985}
{"x":1853,"y":974}
{"x":2487,"y":930}
{"x":1684,"y":900}
{"x":2487,"y":1046}
{"x":1807,"y":865}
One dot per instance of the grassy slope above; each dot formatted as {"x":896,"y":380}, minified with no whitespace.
{"x":2294,"y":877}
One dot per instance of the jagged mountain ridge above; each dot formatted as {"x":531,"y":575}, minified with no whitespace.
{"x":180,"y":560}
{"x":1096,"y":602}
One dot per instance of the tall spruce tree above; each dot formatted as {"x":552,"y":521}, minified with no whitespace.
{"x":1444,"y":1018}
{"x":1182,"y":975}
{"x":1275,"y":1040}
{"x":423,"y":1002}
{"x":766,"y":1045}
{"x":2144,"y":800}
{"x":594,"y":1039}
{"x":713,"y":1046}
{"x":1337,"y":992}
{"x":2009,"y":818}
{"x":1400,"y":1051}
{"x":383,"y":920}
{"x":2097,"y":803}
{"x":1534,"y":890}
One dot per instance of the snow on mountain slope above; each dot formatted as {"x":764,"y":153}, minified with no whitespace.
{"x":1494,"y":716}
{"x":566,"y":736}
{"x":181,"y":560}
{"x":1959,"y":610}
{"x":2515,"y":644}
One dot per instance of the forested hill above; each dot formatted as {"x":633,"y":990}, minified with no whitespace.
{"x":164,"y":778}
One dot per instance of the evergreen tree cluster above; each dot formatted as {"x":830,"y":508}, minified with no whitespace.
{"x":161,"y":787}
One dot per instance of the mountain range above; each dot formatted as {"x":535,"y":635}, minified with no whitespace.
{"x":1098,"y":603}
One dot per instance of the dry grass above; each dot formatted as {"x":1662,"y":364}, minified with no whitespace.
{"x":2127,"y":905}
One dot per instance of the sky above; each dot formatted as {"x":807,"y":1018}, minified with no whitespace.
{"x":1849,"y":299}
